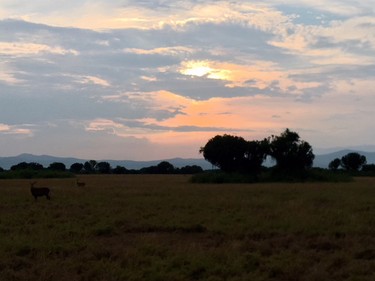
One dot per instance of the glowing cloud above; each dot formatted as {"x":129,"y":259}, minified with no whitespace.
{"x":95,"y":80}
{"x":14,"y":130}
{"x":173,"y":51}
{"x":204,"y":68}
{"x":15,"y":48}
{"x":261,"y":74}
{"x":111,"y":15}
{"x":88,"y":79}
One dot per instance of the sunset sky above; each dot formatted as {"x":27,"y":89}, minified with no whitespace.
{"x":146,"y":80}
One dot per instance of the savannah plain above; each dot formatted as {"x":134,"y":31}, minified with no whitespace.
{"x":163,"y":227}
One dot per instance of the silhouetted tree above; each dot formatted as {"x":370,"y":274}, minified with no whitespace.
{"x":19,"y":166}
{"x":353,"y":161}
{"x":368,"y":168}
{"x":89,"y":166}
{"x":76,"y":168}
{"x":194,"y":169}
{"x":57,"y":166}
{"x":149,"y":170}
{"x":24,"y":165}
{"x":334,"y":164}
{"x":119,"y":170}
{"x":255,"y":154}
{"x":292,"y":155}
{"x":35,"y":166}
{"x":234,"y":154}
{"x":103,"y":167}
{"x":165,"y":167}
{"x":225,"y":152}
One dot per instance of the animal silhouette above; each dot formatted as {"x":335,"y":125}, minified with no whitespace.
{"x":39,"y":191}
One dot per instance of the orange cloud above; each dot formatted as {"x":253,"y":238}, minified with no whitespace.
{"x":107,"y":15}
{"x":260,"y":74}
{"x":217,"y":114}
{"x":253,"y":117}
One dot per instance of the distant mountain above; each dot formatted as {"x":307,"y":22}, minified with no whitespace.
{"x":359,"y":148}
{"x":324,"y":159}
{"x":176,"y":162}
{"x":46,"y":160}
{"x":321,"y":160}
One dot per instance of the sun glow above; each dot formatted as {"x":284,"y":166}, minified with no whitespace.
{"x":203,"y":68}
{"x":196,"y":68}
{"x":198,"y":71}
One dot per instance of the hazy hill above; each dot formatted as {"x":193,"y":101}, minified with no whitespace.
{"x":322,"y":160}
{"x":46,"y":160}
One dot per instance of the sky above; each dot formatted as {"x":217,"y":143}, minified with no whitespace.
{"x":148,"y":80}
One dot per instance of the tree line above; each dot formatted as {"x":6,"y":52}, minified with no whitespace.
{"x":31,"y":169}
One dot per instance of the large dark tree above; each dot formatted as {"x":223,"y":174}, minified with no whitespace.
{"x":103,"y":167}
{"x":334,"y":164}
{"x":255,"y":154}
{"x":194,"y":169}
{"x":353,"y":161}
{"x":19,"y":166}
{"x":119,"y":170}
{"x":225,"y":152}
{"x":76,"y":168}
{"x":57,"y":166}
{"x":89,"y":166}
{"x":292,"y":155}
{"x":24,"y":165}
{"x":234,"y":154}
{"x":165,"y":167}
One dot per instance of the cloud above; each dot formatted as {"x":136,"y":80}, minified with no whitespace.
{"x":15,"y":130}
{"x":167,"y":51}
{"x":260,"y":75}
{"x":8,"y":74}
{"x":135,"y":14}
{"x":336,"y":7}
{"x":88,"y":79}
{"x":21,"y":49}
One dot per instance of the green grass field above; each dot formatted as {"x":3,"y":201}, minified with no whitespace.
{"x":162,"y":227}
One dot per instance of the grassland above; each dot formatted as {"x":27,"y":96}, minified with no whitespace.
{"x":161,"y":227}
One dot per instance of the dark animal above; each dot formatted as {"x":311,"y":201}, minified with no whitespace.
{"x":80,"y":183}
{"x":39,"y":191}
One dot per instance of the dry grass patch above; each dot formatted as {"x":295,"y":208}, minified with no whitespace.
{"x":161,"y":227}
